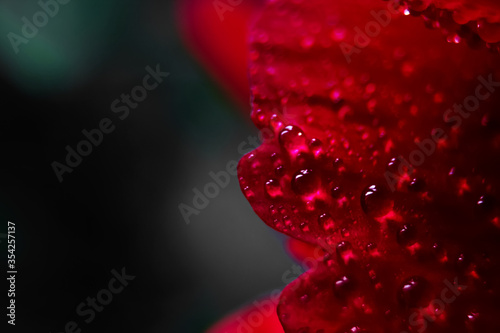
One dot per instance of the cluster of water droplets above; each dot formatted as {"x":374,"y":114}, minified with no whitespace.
{"x":466,"y":22}
{"x":299,"y":174}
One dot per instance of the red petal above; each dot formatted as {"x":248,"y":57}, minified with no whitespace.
{"x":317,"y":109}
{"x":260,"y":317}
{"x":301,"y":251}
{"x":466,"y":17}
{"x":335,"y":113}
{"x":333,"y":298}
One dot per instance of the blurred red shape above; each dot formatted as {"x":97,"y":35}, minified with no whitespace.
{"x":216,"y":32}
{"x":259,"y":317}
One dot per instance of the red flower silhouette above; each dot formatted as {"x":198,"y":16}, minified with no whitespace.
{"x":216,"y":32}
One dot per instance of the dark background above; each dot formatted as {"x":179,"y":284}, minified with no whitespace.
{"x":119,"y":208}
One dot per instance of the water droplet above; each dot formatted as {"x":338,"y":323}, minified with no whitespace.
{"x":439,"y":252}
{"x":288,"y":221}
{"x":462,"y":262}
{"x":304,"y":227}
{"x":343,"y":286}
{"x":345,"y":252}
{"x":345,"y":232}
{"x":406,"y":235}
{"x":372,"y":249}
{"x":316,"y":147}
{"x":412,"y":292}
{"x":375,"y":201}
{"x":279,"y":171}
{"x":335,"y":192}
{"x":326,"y":221}
{"x":259,"y":118}
{"x":273,"y":188}
{"x":489,"y":32}
{"x":338,"y":165}
{"x":293,"y":139}
{"x":416,"y":185}
{"x":472,"y":317}
{"x":486,"y":203}
{"x":453,"y":38}
{"x":248,"y":193}
{"x":305,"y":182}
{"x":276,"y":122}
{"x":399,"y":167}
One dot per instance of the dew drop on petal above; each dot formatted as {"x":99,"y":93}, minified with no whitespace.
{"x":345,"y":252}
{"x":293,"y":139}
{"x":343,"y":286}
{"x":335,"y":192}
{"x":326,"y":222}
{"x":276,"y":123}
{"x":304,"y":227}
{"x":273,"y":188}
{"x":416,"y":185}
{"x":406,"y":235}
{"x":472,"y":317}
{"x":485,"y":203}
{"x":248,"y":193}
{"x":316,"y":147}
{"x":376,"y":201}
{"x":305,"y":182}
{"x":412,"y":291}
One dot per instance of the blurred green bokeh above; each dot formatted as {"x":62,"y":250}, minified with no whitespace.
{"x":66,"y":49}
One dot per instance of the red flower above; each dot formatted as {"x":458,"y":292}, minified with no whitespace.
{"x":382,"y":148}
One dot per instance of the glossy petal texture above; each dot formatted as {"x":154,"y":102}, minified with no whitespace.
{"x":365,"y":156}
